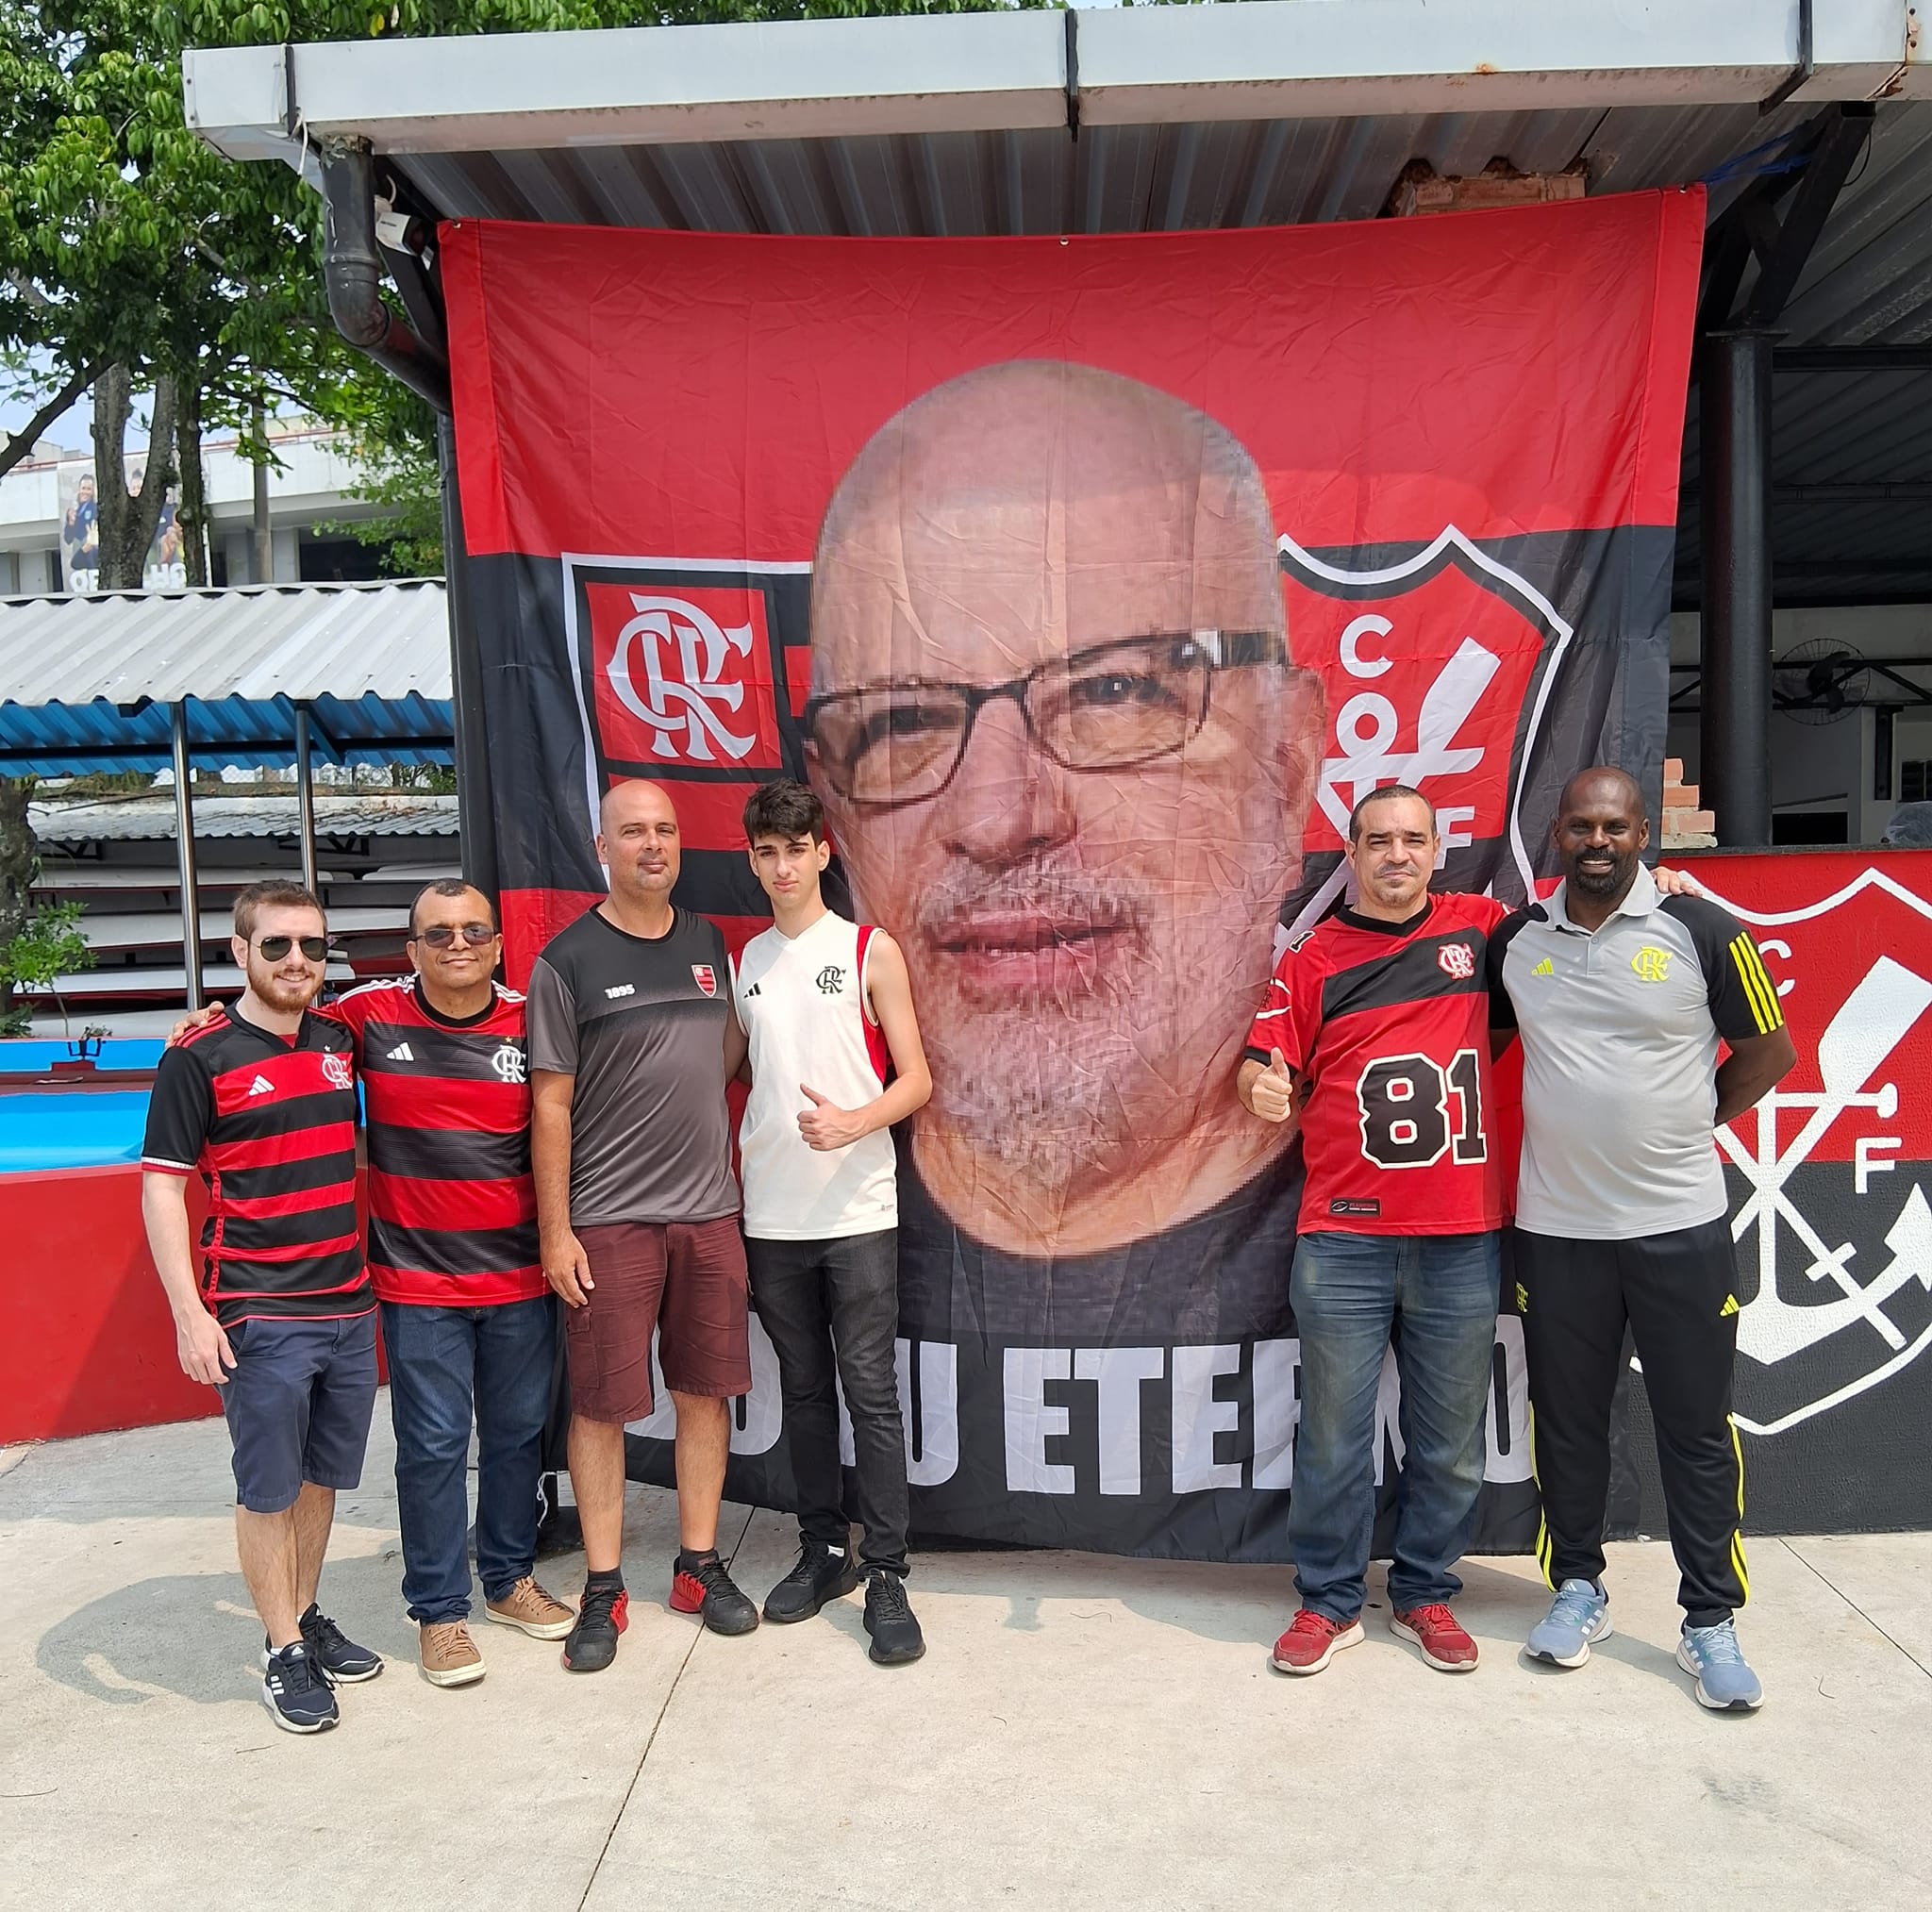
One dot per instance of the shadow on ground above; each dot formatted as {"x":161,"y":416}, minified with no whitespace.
{"x":196,"y":1635}
{"x":1239,"y":1606}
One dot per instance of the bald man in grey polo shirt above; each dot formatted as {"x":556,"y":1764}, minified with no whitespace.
{"x":1622,"y":996}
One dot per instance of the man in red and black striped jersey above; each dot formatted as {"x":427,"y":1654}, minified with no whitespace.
{"x":467,"y":1319}
{"x":260,"y":1102}
{"x":467,"y":1316}
{"x":1376,"y":1033}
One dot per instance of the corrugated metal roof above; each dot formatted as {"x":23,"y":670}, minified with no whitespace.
{"x":254,"y":643}
{"x":151,"y":819}
{"x":654,"y":88}
{"x":1135,"y":178}
{"x":88,"y":681}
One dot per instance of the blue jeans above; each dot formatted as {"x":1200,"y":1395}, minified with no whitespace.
{"x":1437,"y":1294}
{"x":443,"y":1364}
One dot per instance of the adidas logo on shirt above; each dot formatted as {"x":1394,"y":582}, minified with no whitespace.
{"x":753,"y":990}
{"x":1546,"y":967}
{"x":261,"y":1085}
{"x":402,"y":1053}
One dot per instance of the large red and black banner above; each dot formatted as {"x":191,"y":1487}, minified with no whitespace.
{"x":1089,"y":581}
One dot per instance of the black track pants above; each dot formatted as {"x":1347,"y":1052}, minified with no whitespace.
{"x":1676,"y":1294}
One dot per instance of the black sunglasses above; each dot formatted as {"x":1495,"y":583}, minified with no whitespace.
{"x":273,"y":948}
{"x":442,"y":934}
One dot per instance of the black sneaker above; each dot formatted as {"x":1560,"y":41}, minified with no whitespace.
{"x":602,"y":1615}
{"x":819,"y":1575}
{"x":337,"y":1655}
{"x":296,"y":1692}
{"x":896,"y":1641}
{"x":704,"y":1588}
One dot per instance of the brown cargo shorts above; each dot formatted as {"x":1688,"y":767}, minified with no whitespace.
{"x":686,"y":1280}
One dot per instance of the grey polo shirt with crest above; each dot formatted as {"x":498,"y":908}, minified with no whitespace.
{"x":1619,"y":1032}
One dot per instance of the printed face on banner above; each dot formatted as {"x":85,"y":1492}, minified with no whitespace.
{"x":682,"y":679}
{"x":1067,"y":760}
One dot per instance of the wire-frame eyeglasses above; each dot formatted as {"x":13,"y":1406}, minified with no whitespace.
{"x":1110,"y":707}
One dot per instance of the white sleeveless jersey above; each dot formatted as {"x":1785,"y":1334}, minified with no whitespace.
{"x":802,"y":1001}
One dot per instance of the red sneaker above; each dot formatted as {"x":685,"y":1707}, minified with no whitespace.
{"x":1312,"y":1640}
{"x":1444,"y":1643}
{"x":704,"y":1588}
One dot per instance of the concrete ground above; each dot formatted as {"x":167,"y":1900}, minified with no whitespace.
{"x":1083,"y":1733}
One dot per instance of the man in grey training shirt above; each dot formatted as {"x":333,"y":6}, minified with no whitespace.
{"x":629,"y":1020}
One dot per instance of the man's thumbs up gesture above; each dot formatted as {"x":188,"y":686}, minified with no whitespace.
{"x":825,"y":1124}
{"x":1272,"y":1093}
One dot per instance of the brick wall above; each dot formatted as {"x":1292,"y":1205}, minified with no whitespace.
{"x":1685,"y":827}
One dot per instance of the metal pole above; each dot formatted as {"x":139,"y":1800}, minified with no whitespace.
{"x":184,"y":853}
{"x":1735,"y":692}
{"x":264,"y":536}
{"x":476,"y":813}
{"x":305,"y":800}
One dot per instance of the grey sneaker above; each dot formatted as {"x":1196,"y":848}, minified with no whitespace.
{"x":1579,"y":1615}
{"x":1724,"y":1683}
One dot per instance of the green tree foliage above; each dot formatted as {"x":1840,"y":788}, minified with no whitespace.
{"x":46,"y":946}
{"x":20,"y":863}
{"x":132,"y":254}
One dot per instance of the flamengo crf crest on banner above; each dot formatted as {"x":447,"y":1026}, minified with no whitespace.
{"x":690,"y":669}
{"x":1437,"y":670}
{"x":1828,"y":1174}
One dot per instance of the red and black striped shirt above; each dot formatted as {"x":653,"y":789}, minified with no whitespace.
{"x":269,"y":1122}
{"x":452,"y":1204}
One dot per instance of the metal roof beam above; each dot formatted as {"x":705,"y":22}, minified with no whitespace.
{"x":1840,"y":142}
{"x":639,"y":86}
{"x":976,"y":73}
{"x":1851,"y":359}
{"x":1849,"y":491}
{"x":1279,"y":59}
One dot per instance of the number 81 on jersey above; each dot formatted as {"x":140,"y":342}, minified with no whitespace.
{"x":1405,"y":1103}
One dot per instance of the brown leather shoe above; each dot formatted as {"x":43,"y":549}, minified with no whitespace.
{"x":540,"y":1614}
{"x":449,"y":1654}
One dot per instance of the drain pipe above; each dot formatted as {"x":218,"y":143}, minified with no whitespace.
{"x":353,"y":272}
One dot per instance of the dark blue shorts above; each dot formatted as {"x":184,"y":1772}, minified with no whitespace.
{"x":298,"y":1404}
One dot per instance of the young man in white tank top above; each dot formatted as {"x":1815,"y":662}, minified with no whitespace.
{"x":835,"y":1060}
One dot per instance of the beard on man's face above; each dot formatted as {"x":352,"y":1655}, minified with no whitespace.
{"x":1597,"y":870}
{"x":1031,"y":978}
{"x":285,"y":992}
{"x":1072,"y":1017}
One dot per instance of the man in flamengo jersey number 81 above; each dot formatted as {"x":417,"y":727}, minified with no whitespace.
{"x":1375,"y":1025}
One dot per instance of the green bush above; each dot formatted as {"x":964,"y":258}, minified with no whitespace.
{"x":47,"y":946}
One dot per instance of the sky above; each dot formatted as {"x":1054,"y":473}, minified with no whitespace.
{"x":72,"y":429}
